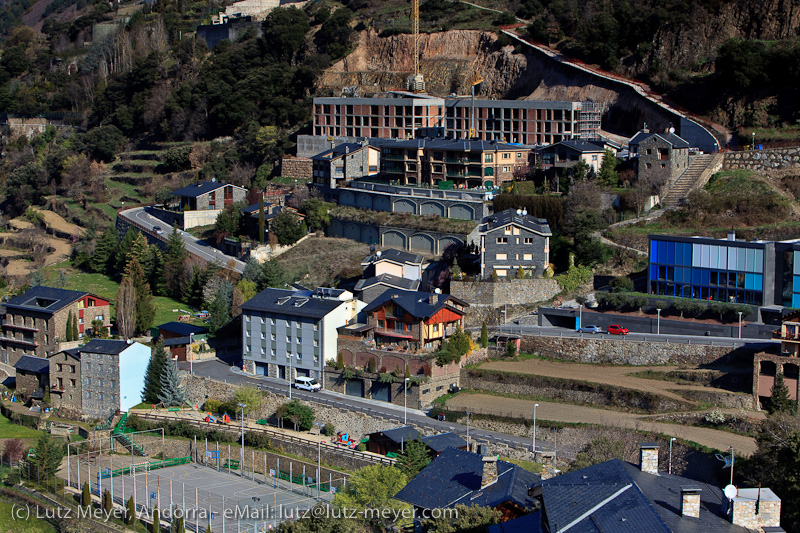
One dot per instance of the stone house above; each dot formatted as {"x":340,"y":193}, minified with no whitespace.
{"x":206,"y":195}
{"x":32,"y":377}
{"x":35,"y":322}
{"x":661,"y":157}
{"x":99,"y":378}
{"x":335,"y":167}
{"x":567,"y":154}
{"x":510,"y":240}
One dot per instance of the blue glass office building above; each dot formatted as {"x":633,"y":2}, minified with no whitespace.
{"x":758,"y":273}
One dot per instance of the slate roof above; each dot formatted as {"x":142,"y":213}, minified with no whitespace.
{"x":529,"y":523}
{"x":509,"y":216}
{"x":176,"y":341}
{"x":388,"y":279}
{"x":181,"y":328}
{"x":442,"y":441}
{"x":36,"y":365}
{"x":44,"y":299}
{"x":289,"y":303}
{"x":455,"y":477}
{"x":416,"y":303}
{"x":105,"y":346}
{"x":578,"y":146}
{"x":338,"y":151}
{"x":399,"y":435}
{"x":397,"y":256}
{"x":670,"y":138}
{"x":198,"y":189}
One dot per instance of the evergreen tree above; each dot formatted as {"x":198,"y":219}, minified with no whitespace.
{"x":779,"y":401}
{"x":171,"y":391}
{"x":124,"y":248}
{"x":414,"y":458}
{"x":49,"y":454}
{"x":219,"y":313}
{"x":145,"y":307}
{"x":174,"y":262}
{"x":273,"y":275}
{"x":152,"y":376}
{"x":608,"y":169}
{"x":107,"y":504}
{"x":261,"y":221}
{"x":105,"y":251}
{"x":156,"y":520}
{"x":156,"y":275}
{"x":68,"y":332}
{"x":86,"y":496}
{"x":130,"y":513}
{"x":75,"y":332}
{"x":61,"y":281}
{"x":484,"y":336}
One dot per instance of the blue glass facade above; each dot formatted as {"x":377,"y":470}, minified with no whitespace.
{"x":725,"y":271}
{"x":795,"y":279}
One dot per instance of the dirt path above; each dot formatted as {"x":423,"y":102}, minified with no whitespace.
{"x":56,"y":221}
{"x":617,"y":376}
{"x":560,"y":412}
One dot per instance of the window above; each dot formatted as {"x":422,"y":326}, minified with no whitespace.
{"x":288,"y":338}
{"x":263,"y":335}
{"x":648,"y":165}
{"x":71,"y":369}
{"x":99,"y":317}
{"x":100,"y":367}
{"x":80,"y":321}
{"x":273,"y":336}
{"x":316,"y":327}
{"x":72,"y":383}
{"x":99,"y":382}
{"x":88,"y":382}
{"x":528,"y":240}
{"x":59,"y":367}
{"x":436,"y":328}
{"x":61,"y":383}
{"x":89,"y":395}
{"x":506,"y":155}
{"x":247,"y":333}
{"x":316,"y":342}
{"x":502,"y":240}
{"x":594,"y":158}
{"x":527,"y":257}
{"x":519,"y":154}
{"x":649,"y":151}
{"x":507,"y":230}
{"x":100,"y":396}
{"x":501,"y":257}
{"x":113,"y":383}
{"x":488,"y":158}
{"x":380,"y":323}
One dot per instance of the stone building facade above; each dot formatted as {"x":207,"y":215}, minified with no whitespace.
{"x":65,"y":383}
{"x":511,"y":240}
{"x":662,"y":157}
{"x":511,"y":292}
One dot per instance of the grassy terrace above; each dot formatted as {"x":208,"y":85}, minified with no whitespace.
{"x":403,"y":220}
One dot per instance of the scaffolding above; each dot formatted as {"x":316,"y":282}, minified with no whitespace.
{"x":589,"y":120}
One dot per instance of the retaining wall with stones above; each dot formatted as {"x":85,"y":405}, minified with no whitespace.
{"x":299,"y":168}
{"x":622,"y":351}
{"x":772,"y":159}
{"x":511,"y":292}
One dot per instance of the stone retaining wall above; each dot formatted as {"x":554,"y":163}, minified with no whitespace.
{"x":511,"y":292}
{"x":299,"y":168}
{"x":622,"y":351}
{"x":772,"y":159}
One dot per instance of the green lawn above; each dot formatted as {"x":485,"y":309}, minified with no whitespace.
{"x":530,"y":466}
{"x":21,"y":524}
{"x":10,"y":430}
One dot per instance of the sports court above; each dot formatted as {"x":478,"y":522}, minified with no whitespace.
{"x":227,"y":501}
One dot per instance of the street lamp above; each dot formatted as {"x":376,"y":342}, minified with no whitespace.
{"x":580,"y":315}
{"x":658,"y":322}
{"x":754,"y":140}
{"x":191,"y":354}
{"x":319,"y":457}
{"x":740,"y":324}
{"x":289,"y":377}
{"x":241,"y":465}
{"x":467,"y":430}
{"x":534,"y":427}
{"x":673,"y":439}
{"x":405,"y":401}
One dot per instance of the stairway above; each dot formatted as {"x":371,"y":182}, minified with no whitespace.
{"x":129,"y":445}
{"x":700,"y":169}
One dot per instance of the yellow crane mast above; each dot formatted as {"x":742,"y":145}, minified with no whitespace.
{"x":416,"y":82}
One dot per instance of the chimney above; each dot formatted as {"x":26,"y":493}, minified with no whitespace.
{"x":648,"y":457}
{"x":731,"y":235}
{"x":690,"y":502}
{"x":756,"y":509}
{"x":489,"y":474}
{"x":548,"y":465}
{"x":433,"y":299}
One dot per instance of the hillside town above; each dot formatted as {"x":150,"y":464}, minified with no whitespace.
{"x":309,"y":269}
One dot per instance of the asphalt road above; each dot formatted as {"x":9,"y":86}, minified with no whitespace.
{"x":223,"y":372}
{"x":193,"y":245}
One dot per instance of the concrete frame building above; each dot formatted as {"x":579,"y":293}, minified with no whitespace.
{"x":409,"y":115}
{"x":510,"y":240}
{"x":289,"y":333}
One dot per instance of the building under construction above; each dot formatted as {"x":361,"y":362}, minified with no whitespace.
{"x":407,"y":115}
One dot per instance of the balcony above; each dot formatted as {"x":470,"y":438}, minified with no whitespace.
{"x":9,"y":324}
{"x":3,"y":338}
{"x":393,"y":157}
{"x":401,"y":334}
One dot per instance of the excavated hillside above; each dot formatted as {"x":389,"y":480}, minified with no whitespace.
{"x":379,"y":64}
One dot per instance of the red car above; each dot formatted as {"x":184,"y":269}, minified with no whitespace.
{"x":616,"y":329}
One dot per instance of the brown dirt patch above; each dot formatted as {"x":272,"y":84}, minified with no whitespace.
{"x":57,"y":222}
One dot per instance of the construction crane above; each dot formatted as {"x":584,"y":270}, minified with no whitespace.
{"x":475,"y":78}
{"x":415,"y":82}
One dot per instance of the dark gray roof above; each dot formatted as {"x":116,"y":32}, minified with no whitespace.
{"x":510,"y":216}
{"x":442,"y":441}
{"x":449,"y":145}
{"x":399,"y":435}
{"x":530,"y":523}
{"x":198,"y":189}
{"x":417,"y":303}
{"x":639,"y":137}
{"x":289,"y":303}
{"x":398,"y":256}
{"x":455,"y":477}
{"x":344,"y":148}
{"x":105,"y":346}
{"x":578,"y":146}
{"x":181,"y":328}
{"x":36,"y":365}
{"x":670,"y":138}
{"x":45,"y":299}
{"x":176,"y":341}
{"x":390,"y":281}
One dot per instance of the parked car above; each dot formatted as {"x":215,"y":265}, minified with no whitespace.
{"x":158,"y":230}
{"x":616,"y":329}
{"x":590,"y":329}
{"x":305,"y":383}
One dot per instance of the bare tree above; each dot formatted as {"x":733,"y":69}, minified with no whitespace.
{"x":126,"y":308}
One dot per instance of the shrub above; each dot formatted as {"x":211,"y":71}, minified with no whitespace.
{"x":339,"y":361}
{"x":328,"y":429}
{"x":212,"y":406}
{"x":371,"y":364}
{"x":361,"y":447}
{"x":622,"y":284}
{"x":386,"y":377}
{"x":298,"y":414}
{"x":348,"y":373}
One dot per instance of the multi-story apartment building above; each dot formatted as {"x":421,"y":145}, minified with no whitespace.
{"x":333,"y":168}
{"x":511,"y":240}
{"x":289,"y":333}
{"x":99,"y":378}
{"x":35,"y":322}
{"x":466,"y":164}
{"x":408,"y":115}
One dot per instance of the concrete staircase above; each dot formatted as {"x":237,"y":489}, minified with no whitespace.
{"x":696,"y":175}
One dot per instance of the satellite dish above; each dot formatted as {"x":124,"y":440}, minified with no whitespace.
{"x":671,"y":130}
{"x":730,"y":492}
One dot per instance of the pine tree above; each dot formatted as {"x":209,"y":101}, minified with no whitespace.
{"x":152,"y":376}
{"x":414,"y":458}
{"x":107,"y":504}
{"x":261,"y":221}
{"x":124,"y":248}
{"x":68,"y":332}
{"x":608,"y":169}
{"x":145,"y":307}
{"x":171,"y":391}
{"x":130,"y":514}
{"x":156,"y":520}
{"x":156,"y":275}
{"x":86,"y":496}
{"x":174,"y":263}
{"x":779,"y":401}
{"x":105,"y":251}
{"x":484,"y":336}
{"x":219,"y":313}
{"x":75,"y":334}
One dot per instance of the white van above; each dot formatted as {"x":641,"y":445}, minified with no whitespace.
{"x":305,"y":383}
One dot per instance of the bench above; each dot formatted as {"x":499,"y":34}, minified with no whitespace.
{"x":173,"y":410}
{"x":261,"y":422}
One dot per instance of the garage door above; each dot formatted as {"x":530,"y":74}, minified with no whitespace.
{"x":261,"y":369}
{"x":381,"y":391}
{"x":354,"y":387}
